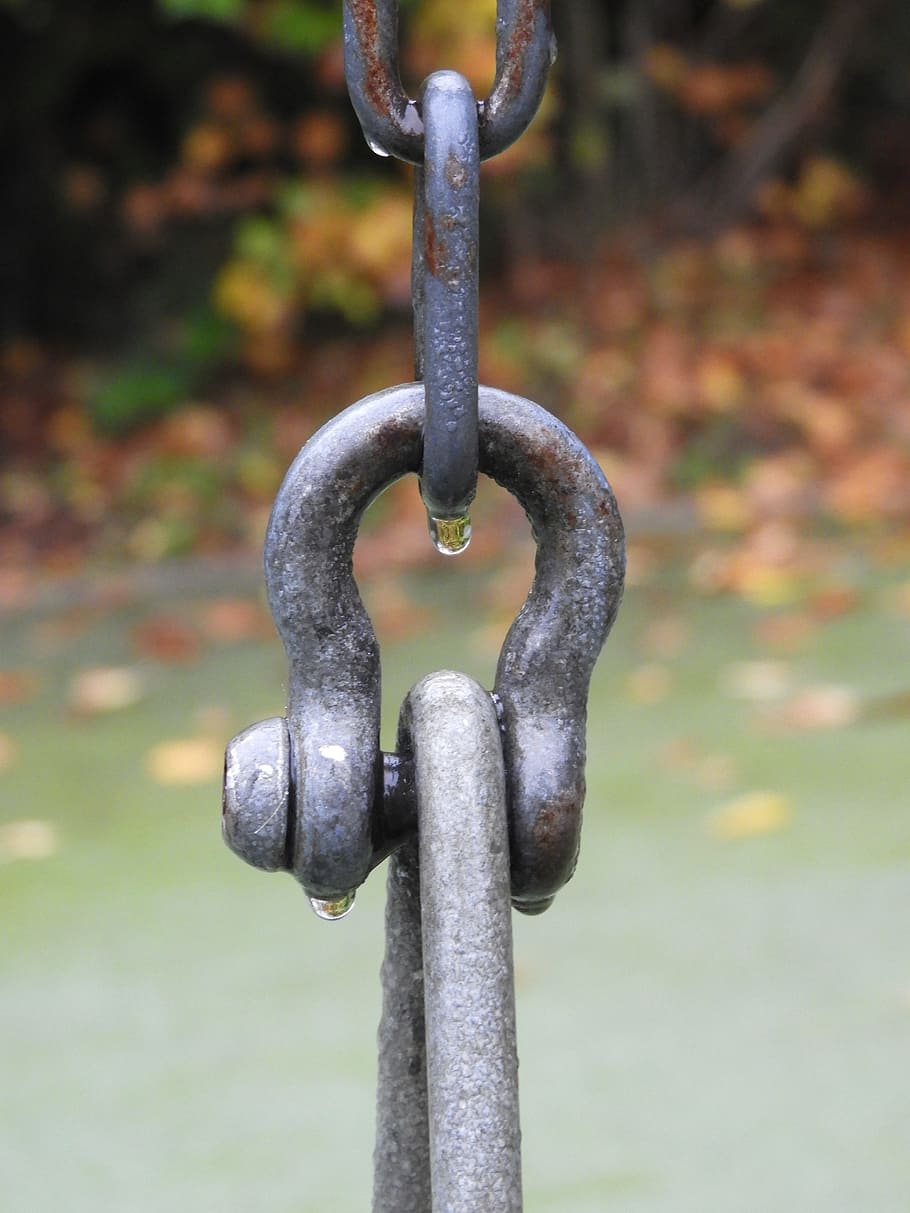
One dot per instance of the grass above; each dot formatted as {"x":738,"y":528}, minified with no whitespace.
{"x":705,"y":1024}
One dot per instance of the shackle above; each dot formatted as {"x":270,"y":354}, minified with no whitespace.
{"x":311,"y":792}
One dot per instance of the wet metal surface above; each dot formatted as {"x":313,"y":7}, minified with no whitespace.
{"x":445,"y":278}
{"x":337,"y":826}
{"x":392,"y":121}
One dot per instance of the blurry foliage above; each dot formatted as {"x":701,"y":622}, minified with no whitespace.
{"x":192,"y":209}
{"x":293,"y":25}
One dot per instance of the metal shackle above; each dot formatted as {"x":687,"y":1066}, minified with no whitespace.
{"x":306,"y":793}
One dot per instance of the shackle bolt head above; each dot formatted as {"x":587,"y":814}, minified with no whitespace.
{"x":256,"y":801}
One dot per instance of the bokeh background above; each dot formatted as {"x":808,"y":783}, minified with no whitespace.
{"x":698,"y":258}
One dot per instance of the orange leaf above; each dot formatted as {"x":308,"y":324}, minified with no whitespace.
{"x":17,"y":686}
{"x":185,"y":761}
{"x":168,"y":639}
{"x":231,"y":620}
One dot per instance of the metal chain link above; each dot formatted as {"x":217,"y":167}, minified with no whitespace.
{"x":444,"y":279}
{"x":481,"y":804}
{"x":391,"y":120}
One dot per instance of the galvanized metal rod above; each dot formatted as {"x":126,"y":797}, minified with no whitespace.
{"x":391,"y":120}
{"x":446,"y":302}
{"x":401,"y":1162}
{"x":450,"y":725}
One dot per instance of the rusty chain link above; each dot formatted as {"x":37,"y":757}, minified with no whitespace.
{"x":481,"y":803}
{"x":392,"y":121}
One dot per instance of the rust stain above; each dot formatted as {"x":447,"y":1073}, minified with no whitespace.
{"x":376,"y":79}
{"x":558,"y":817}
{"x":434,"y":249}
{"x":455,"y":172}
{"x":522,"y":36}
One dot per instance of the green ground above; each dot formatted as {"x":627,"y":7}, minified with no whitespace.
{"x":712,"y":1024}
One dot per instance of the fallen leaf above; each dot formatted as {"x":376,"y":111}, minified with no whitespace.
{"x":232,"y":620}
{"x":649,"y":684}
{"x":185,"y":761}
{"x":723,"y":507}
{"x":666,"y":637}
{"x":821,"y":707}
{"x":214,"y":720}
{"x":28,"y":838}
{"x":17,"y":686}
{"x":8,"y":751}
{"x":834,"y":601}
{"x":750,"y":815}
{"x":103,"y":689}
{"x":680,"y":753}
{"x":785,"y":631}
{"x":168,"y":639}
{"x":755,"y":681}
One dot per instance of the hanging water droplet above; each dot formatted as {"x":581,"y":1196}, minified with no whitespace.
{"x":554,"y":49}
{"x":450,"y":536}
{"x":376,"y":147}
{"x":333,"y":908}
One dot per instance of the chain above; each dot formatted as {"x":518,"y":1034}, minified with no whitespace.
{"x":392,"y":121}
{"x":445,"y":133}
{"x":481,"y":803}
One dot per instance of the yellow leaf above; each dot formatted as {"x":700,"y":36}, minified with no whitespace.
{"x":723,"y":507}
{"x":719,"y":381}
{"x":750,"y":815}
{"x":185,"y":761}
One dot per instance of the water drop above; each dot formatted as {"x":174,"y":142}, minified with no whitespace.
{"x":376,"y":147}
{"x":554,"y":49}
{"x":333,"y":908}
{"x":450,"y":535}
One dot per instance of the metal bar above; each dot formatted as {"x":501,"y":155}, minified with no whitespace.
{"x":418,"y":272}
{"x":391,"y":120}
{"x":401,"y":1162}
{"x":451,"y":726}
{"x":446,"y":303}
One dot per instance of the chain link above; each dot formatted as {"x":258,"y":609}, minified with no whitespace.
{"x":444,"y":276}
{"x":392,"y":121}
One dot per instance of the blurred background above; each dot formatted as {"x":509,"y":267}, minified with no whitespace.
{"x":698,"y":258}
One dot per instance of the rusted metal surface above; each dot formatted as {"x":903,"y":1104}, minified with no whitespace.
{"x":391,"y":120}
{"x":349,"y":805}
